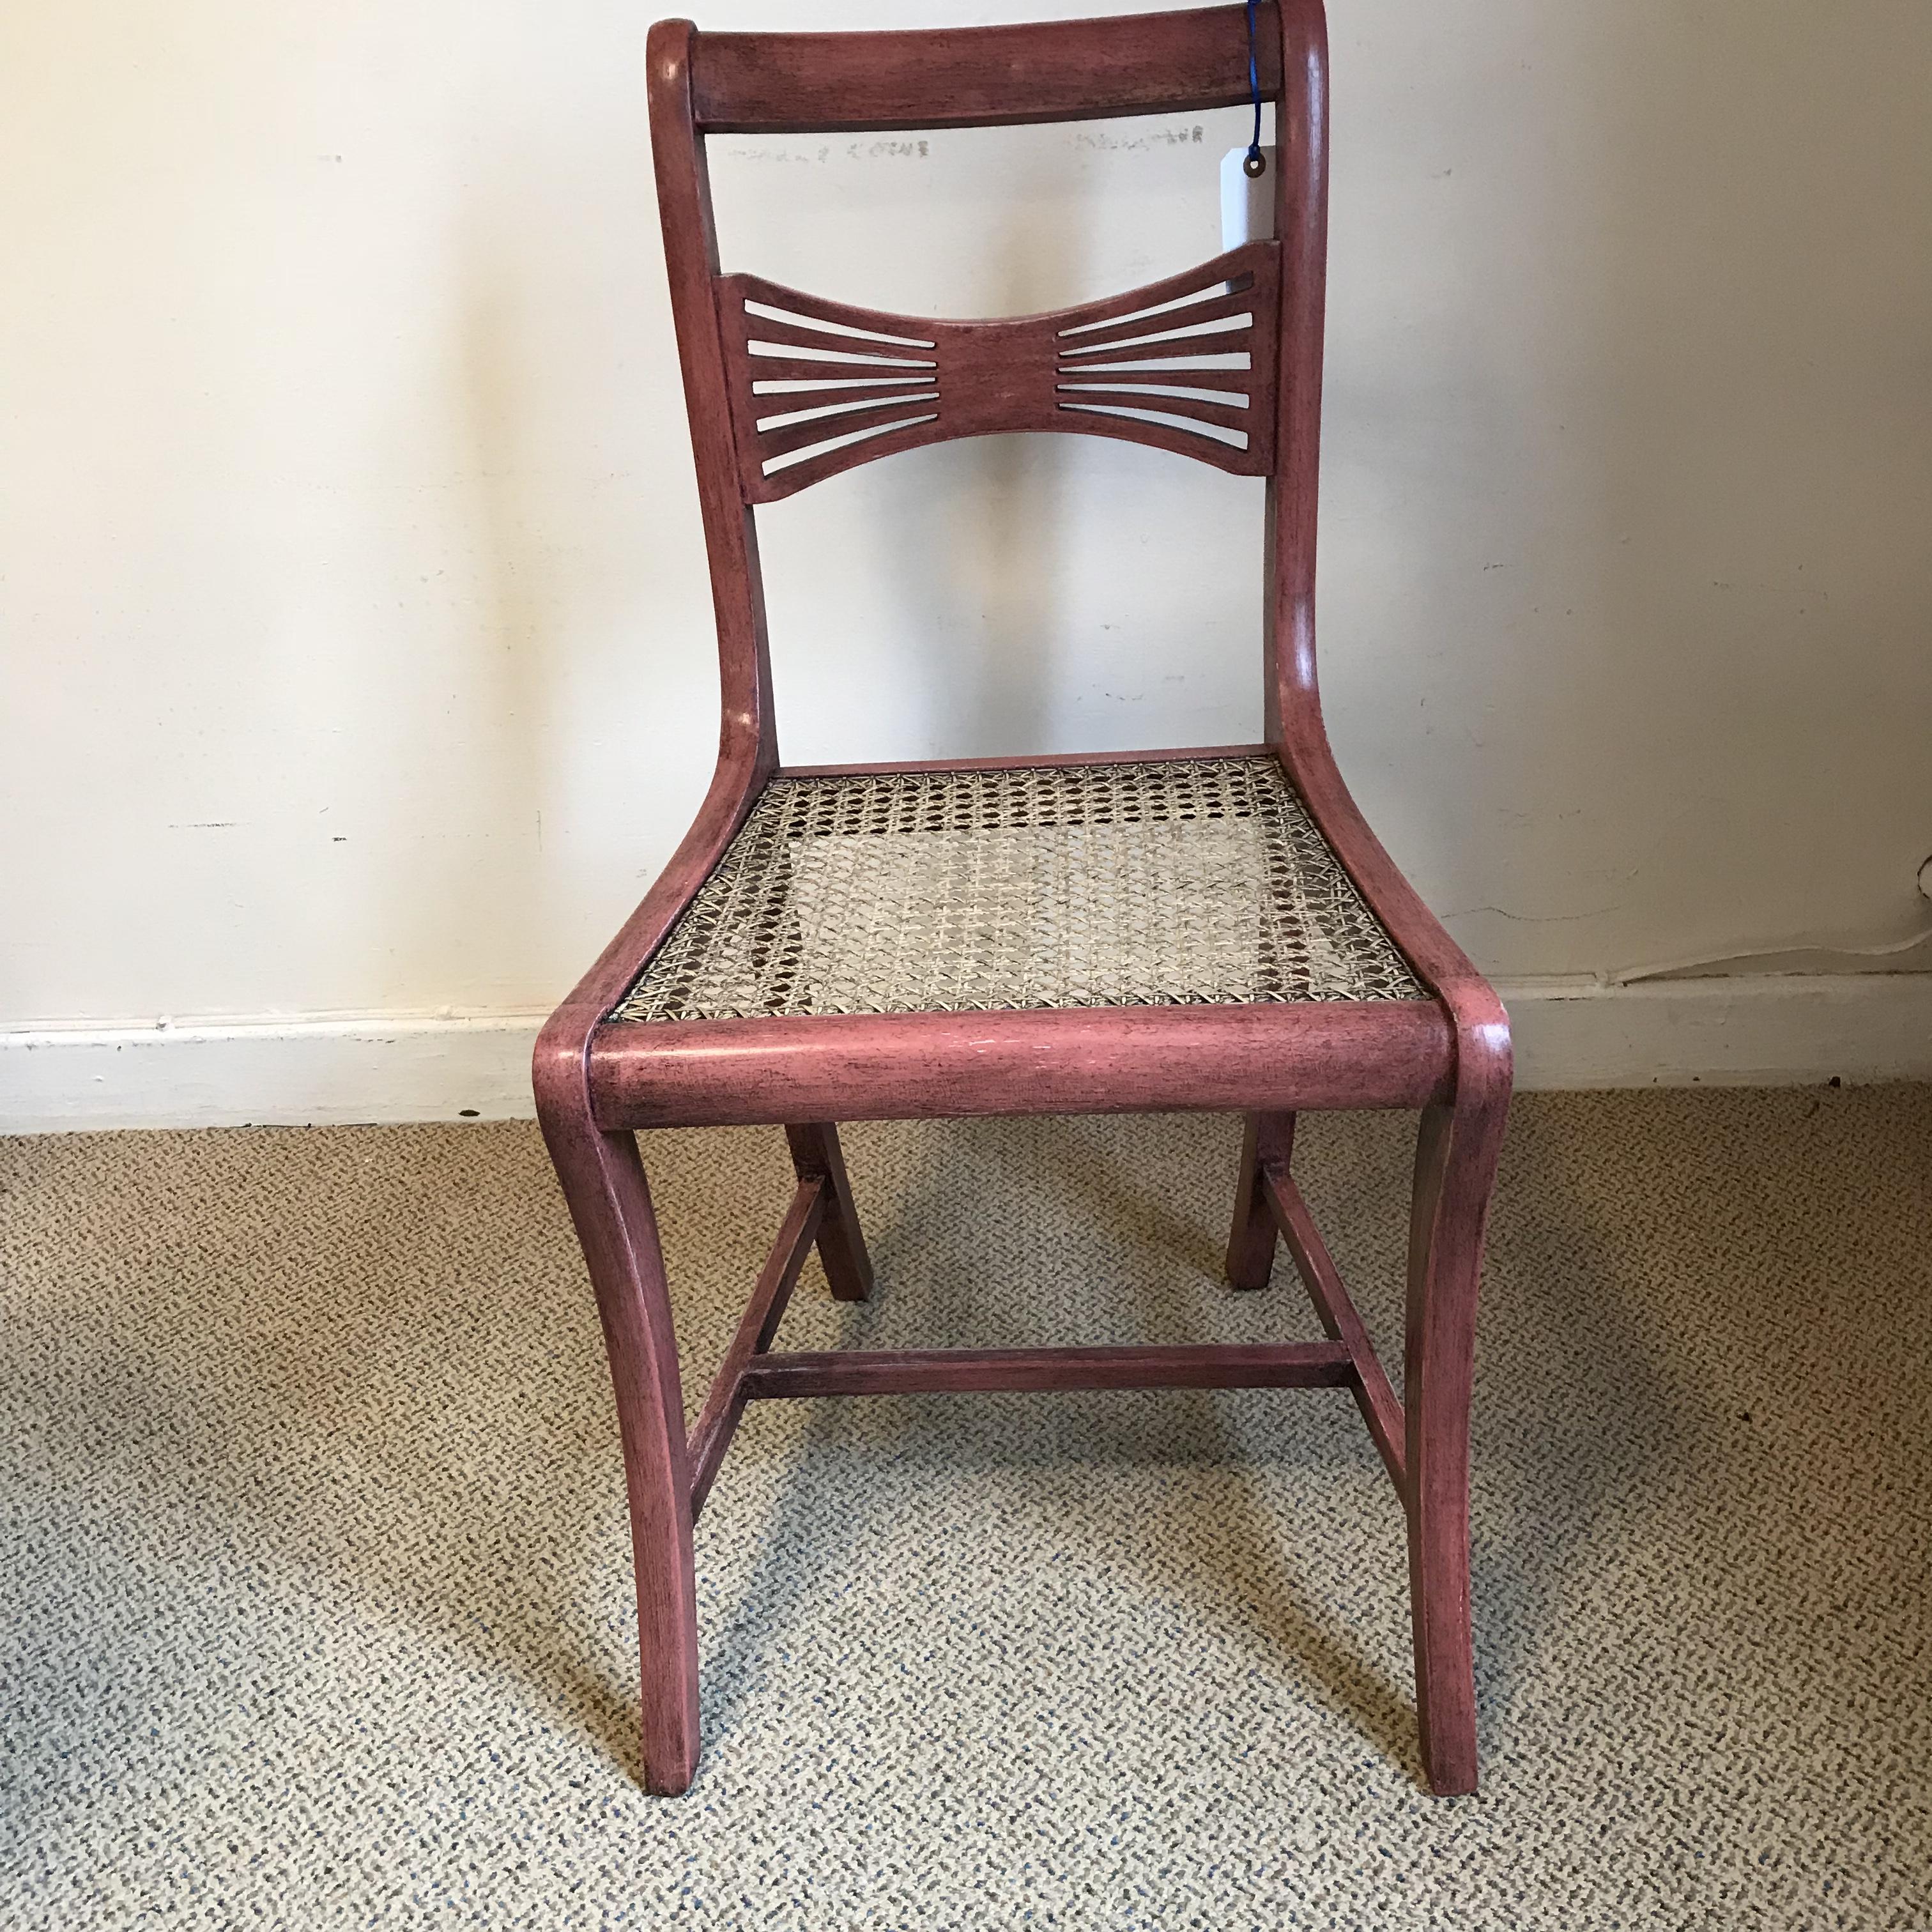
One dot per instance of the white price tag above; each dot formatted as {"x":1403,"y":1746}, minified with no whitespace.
{"x":1247,"y":207}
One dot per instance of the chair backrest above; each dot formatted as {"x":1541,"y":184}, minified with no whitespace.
{"x":1221,"y":362}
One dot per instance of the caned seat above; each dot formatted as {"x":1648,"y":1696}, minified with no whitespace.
{"x":1206,"y":928}
{"x":1186,"y":882}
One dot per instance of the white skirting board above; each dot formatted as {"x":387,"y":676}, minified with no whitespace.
{"x":1765,"y":1029}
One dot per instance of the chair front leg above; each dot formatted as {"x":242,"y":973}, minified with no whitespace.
{"x":604,"y":1182}
{"x":817,"y":1156}
{"x":1455,"y":1173}
{"x":1251,"y":1244}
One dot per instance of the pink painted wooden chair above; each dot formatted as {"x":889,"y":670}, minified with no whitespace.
{"x":1213,"y":929}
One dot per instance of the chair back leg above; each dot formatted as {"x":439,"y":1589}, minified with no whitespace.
{"x":816,"y":1154}
{"x":1265,"y":1137}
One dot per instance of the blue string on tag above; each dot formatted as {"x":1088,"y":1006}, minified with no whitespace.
{"x":1254,"y":164}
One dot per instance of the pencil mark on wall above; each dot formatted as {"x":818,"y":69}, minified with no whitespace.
{"x":887,"y":150}
{"x":1128,"y":144}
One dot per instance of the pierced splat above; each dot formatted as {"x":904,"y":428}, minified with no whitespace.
{"x":1187,"y":365}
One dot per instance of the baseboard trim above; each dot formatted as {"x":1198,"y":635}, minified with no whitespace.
{"x":1742,"y":1029}
{"x":1734,"y":1029}
{"x":270,"y":1072}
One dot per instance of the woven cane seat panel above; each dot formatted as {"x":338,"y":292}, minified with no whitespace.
{"x":1176,"y":883}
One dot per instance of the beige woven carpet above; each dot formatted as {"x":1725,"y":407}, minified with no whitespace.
{"x":316,"y":1604}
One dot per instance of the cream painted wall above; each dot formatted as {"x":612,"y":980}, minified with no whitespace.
{"x":355,"y":629}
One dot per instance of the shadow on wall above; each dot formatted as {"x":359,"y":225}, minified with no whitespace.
{"x":1629,"y":454}
{"x":1770,"y":464}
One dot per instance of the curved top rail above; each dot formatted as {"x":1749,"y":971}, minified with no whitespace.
{"x":1180,"y":63}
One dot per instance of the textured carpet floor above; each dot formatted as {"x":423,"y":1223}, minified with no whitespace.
{"x":316,"y":1599}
